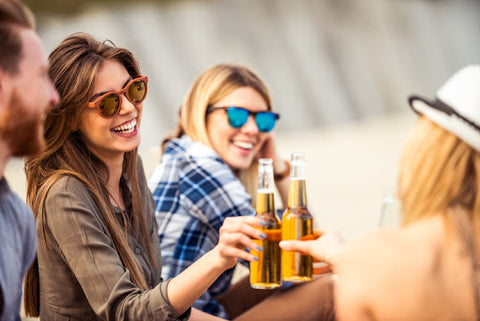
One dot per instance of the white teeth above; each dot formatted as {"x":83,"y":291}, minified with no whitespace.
{"x":244,"y":145}
{"x":126,"y":128}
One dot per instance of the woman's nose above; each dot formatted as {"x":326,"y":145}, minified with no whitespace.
{"x":127,"y":106}
{"x":250,"y":126}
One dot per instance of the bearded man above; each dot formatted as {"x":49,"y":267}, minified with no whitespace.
{"x":26,"y":94}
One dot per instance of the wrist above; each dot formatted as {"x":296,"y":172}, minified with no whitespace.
{"x":217,"y":262}
{"x":284,"y":171}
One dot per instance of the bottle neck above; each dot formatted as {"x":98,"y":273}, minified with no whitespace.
{"x":297,"y":193}
{"x":265,"y":203}
{"x":266,"y":186}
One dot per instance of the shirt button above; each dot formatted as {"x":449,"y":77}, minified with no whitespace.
{"x":137,"y":250}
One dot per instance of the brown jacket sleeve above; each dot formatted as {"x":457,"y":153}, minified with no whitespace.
{"x":81,"y":274}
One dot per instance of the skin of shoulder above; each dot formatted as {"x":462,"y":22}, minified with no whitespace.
{"x":382,"y":272}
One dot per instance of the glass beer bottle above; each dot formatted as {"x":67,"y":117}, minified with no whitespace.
{"x":297,"y":224}
{"x":266,"y":273}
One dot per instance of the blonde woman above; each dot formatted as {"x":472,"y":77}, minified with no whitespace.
{"x":208,"y":170}
{"x":429,"y":268}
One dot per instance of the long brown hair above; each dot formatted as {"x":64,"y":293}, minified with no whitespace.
{"x":210,"y":87}
{"x":438,"y":172}
{"x":74,"y":64}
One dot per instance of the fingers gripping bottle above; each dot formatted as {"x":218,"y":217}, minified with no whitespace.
{"x":266,"y":273}
{"x":297,"y":224}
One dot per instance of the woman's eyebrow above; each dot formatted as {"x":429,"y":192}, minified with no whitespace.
{"x":104,"y":92}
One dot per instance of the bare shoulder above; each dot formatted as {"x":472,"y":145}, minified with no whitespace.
{"x":378,"y":270}
{"x":375,"y":250}
{"x":385,"y":249}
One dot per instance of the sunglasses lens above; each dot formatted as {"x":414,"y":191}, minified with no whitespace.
{"x":109,"y":105}
{"x":136,"y":91}
{"x":266,"y":121}
{"x":237,"y":117}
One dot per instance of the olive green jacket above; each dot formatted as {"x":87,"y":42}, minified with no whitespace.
{"x":81,"y":274}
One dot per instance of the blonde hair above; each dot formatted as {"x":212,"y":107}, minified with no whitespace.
{"x":438,"y":172}
{"x":210,"y":87}
{"x":74,"y":64}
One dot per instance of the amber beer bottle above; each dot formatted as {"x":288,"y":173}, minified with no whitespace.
{"x":266,"y":273}
{"x":297,"y":224}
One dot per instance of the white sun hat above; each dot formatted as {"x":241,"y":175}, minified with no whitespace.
{"x":457,"y":105}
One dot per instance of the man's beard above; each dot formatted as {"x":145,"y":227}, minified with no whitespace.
{"x":21,"y":128}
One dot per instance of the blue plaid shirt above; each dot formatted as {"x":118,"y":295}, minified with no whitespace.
{"x":194,"y":191}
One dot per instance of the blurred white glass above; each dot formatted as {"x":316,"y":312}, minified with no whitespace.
{"x":390,"y":212}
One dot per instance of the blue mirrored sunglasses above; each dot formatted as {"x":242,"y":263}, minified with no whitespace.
{"x":238,"y":116}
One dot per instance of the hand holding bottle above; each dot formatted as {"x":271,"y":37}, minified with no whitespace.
{"x":236,"y":235}
{"x":323,"y":247}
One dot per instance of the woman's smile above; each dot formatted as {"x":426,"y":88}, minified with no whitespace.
{"x":129,"y":128}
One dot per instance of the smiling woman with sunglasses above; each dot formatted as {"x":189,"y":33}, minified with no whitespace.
{"x":98,"y":249}
{"x":238,"y":117}
{"x":208,"y":174}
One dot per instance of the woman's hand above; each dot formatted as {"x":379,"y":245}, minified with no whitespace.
{"x":269,"y":151}
{"x":236,"y":236}
{"x":324,"y":247}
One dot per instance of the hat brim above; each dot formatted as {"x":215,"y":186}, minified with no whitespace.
{"x":446,"y":117}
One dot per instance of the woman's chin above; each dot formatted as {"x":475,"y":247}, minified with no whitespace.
{"x":240,"y":164}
